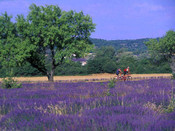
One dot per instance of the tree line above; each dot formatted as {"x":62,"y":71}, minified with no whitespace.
{"x":106,"y":60}
{"x":136,"y":46}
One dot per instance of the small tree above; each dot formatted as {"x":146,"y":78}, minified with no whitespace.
{"x":164,"y":48}
{"x":104,"y":61}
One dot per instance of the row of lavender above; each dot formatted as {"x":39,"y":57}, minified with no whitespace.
{"x":130,"y":105}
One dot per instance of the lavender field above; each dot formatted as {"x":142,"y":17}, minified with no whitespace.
{"x":145,"y":105}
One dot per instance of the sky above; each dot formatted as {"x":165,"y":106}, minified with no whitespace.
{"x":114,"y":19}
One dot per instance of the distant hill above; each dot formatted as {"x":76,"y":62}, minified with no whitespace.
{"x":136,"y":46}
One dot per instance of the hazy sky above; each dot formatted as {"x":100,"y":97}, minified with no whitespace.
{"x":114,"y":19}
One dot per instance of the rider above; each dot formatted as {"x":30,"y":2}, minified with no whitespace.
{"x":118,"y":72}
{"x":126,"y":71}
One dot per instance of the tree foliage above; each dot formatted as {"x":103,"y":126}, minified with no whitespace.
{"x":8,"y":41}
{"x":164,"y":48}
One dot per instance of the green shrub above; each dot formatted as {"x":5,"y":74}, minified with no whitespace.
{"x":108,"y":93}
{"x":9,"y":82}
{"x":112,"y":83}
{"x":171,"y":106}
{"x":173,"y":77}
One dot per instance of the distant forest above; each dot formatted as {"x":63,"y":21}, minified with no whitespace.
{"x":136,"y":46}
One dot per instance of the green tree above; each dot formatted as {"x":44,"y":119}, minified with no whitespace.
{"x":164,"y":48}
{"x":125,"y":59}
{"x":106,"y":51}
{"x":8,"y":39}
{"x":49,"y":36}
{"x":104,"y":61}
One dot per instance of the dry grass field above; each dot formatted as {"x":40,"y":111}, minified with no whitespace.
{"x":104,"y":76}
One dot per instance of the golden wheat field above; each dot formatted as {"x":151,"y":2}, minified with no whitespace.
{"x":104,"y":76}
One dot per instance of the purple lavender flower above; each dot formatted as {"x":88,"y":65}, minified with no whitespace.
{"x":131,"y":105}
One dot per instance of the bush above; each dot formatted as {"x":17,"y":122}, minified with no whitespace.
{"x":9,"y":82}
{"x":173,"y":77}
{"x":171,"y":106}
{"x":111,"y":83}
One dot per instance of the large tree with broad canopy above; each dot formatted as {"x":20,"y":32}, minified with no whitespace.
{"x":49,"y":36}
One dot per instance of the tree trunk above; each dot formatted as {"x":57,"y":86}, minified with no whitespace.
{"x":172,"y":64}
{"x":50,"y":75}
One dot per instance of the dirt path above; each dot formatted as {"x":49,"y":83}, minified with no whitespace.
{"x":92,"y":77}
